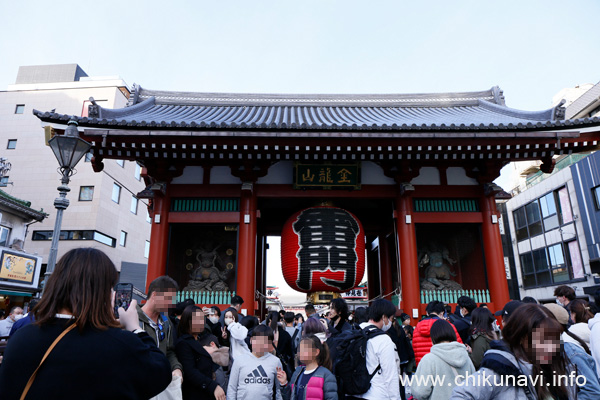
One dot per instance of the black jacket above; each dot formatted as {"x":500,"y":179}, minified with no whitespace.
{"x":214,"y":328}
{"x":405,"y":351}
{"x":463,"y":326}
{"x":339,"y":327}
{"x":198,"y":368}
{"x":284,"y":346}
{"x":93,"y":364}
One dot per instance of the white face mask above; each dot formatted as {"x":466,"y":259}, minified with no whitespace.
{"x":228,"y":321}
{"x":559,"y":302}
{"x":18,"y":317}
{"x":214,"y":319}
{"x":387,"y":326}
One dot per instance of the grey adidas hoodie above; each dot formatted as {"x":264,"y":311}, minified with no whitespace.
{"x":445,"y":361}
{"x":254,"y":378}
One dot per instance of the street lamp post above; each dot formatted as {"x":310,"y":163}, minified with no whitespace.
{"x":68,"y":150}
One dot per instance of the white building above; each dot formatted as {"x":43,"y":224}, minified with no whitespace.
{"x":103,"y":212}
{"x":549,"y":223}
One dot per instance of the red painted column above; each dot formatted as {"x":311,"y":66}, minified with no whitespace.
{"x":409,"y":265}
{"x":246,"y":269}
{"x":494,"y":257}
{"x":159,"y":238}
{"x":385,"y":268}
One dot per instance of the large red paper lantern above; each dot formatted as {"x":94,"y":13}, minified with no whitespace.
{"x":323,"y":249}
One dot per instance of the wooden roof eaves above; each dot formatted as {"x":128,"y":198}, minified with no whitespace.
{"x":92,"y":133}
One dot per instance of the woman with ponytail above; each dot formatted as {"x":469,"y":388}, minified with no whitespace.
{"x":580,"y":314}
{"x":313,"y":380}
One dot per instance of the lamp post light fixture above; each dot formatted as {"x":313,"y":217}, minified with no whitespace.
{"x":68,"y":150}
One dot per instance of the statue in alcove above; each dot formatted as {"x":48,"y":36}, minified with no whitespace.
{"x":436,"y":260}
{"x":209,"y":275}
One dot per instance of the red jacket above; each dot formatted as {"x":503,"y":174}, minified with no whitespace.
{"x":422,"y":338}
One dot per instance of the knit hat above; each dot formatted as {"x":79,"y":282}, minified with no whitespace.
{"x":559,"y":312}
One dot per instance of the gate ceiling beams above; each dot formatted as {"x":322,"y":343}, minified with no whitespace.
{"x":226,"y":150}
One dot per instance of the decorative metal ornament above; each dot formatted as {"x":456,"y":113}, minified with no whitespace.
{"x":189,"y":252}
{"x":189,"y":266}
{"x":323,"y":249}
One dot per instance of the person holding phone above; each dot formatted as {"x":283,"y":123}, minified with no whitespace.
{"x":95,"y":359}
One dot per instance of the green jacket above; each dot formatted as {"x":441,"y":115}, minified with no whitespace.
{"x":167,"y":346}
{"x":479,"y":344}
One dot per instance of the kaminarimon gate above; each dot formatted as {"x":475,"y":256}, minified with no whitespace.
{"x":224,"y":171}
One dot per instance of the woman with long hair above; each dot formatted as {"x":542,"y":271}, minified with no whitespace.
{"x":338,"y":316}
{"x":95,"y":358}
{"x":482,"y":334}
{"x":313,"y":379}
{"x":530,"y":353}
{"x":197,"y":363}
{"x":580,"y":314}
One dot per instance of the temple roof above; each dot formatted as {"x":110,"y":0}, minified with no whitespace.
{"x":21,"y":206}
{"x":170,"y":110}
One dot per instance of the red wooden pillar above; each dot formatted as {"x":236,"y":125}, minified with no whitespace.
{"x":409,"y":266}
{"x":159,"y":238}
{"x":386,"y":282}
{"x":494,"y":257}
{"x":246,"y":269}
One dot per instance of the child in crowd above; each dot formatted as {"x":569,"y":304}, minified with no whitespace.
{"x":313,"y":380}
{"x":447,"y":360}
{"x":254,"y":375}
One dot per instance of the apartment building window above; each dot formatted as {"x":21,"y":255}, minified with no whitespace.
{"x":12,"y":144}
{"x":147,"y":249}
{"x":148,"y":219}
{"x":4,"y":236}
{"x":20,"y":109}
{"x":134,"y":205}
{"x":551,"y":265}
{"x":76,"y":235}
{"x":543,"y":214}
{"x":88,"y":157}
{"x":121,"y":163}
{"x":596,"y":193}
{"x":86,"y":193}
{"x":3,"y":181}
{"x":549,"y":214}
{"x":138,"y":172}
{"x":123,"y":238}
{"x":116,"y":193}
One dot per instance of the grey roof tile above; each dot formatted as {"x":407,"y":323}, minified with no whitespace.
{"x":484,"y":110}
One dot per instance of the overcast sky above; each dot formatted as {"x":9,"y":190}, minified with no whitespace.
{"x":531,"y":49}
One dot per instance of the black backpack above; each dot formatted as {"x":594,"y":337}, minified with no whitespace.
{"x":349,"y":360}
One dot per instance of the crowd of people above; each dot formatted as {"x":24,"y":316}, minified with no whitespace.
{"x":71,"y":346}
